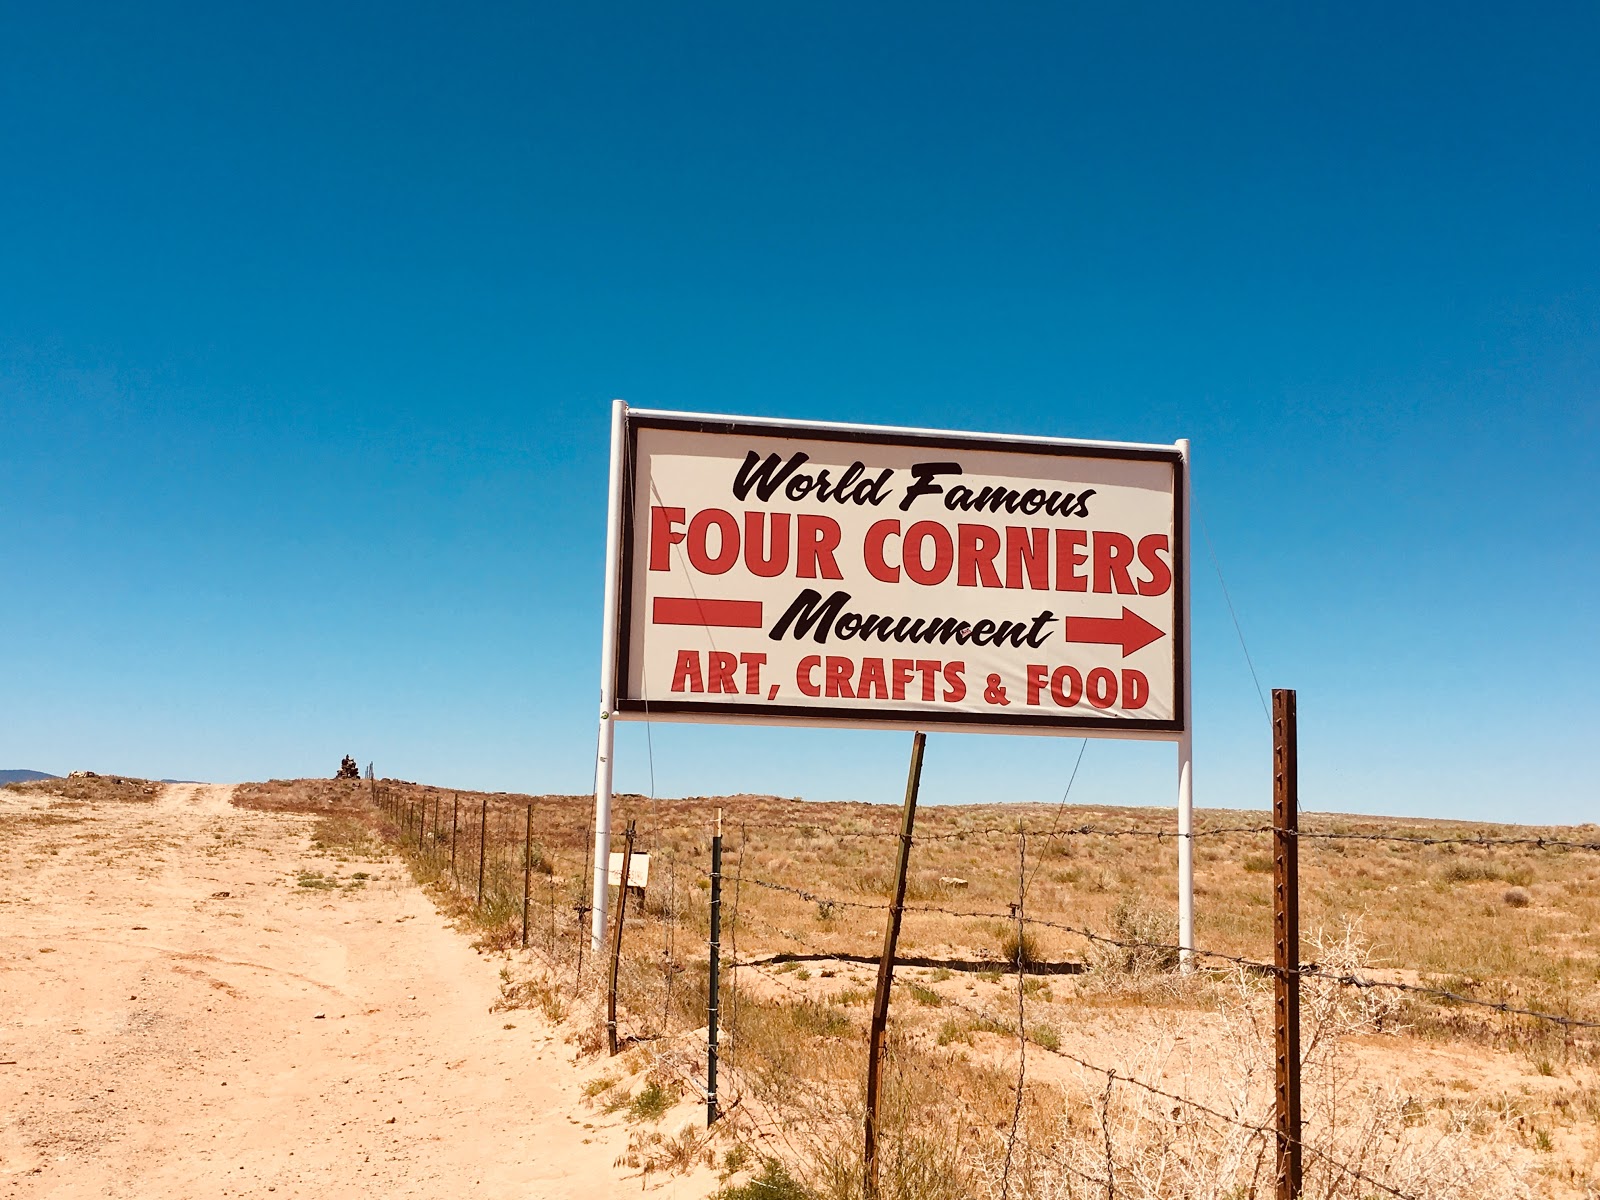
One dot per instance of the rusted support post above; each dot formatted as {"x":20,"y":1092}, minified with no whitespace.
{"x":527,"y":873}
{"x":483,"y":843}
{"x":455,"y":820}
{"x":715,"y":979}
{"x":877,"y":1037}
{"x":616,"y":939}
{"x":1286,"y":940}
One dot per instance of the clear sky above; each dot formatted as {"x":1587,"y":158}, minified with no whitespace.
{"x":310,"y":314}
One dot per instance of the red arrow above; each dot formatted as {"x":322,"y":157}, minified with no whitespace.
{"x":1130,"y":629}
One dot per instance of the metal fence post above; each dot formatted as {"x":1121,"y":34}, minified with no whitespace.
{"x":880,"y":1002}
{"x":1286,"y":940}
{"x":715,"y":979}
{"x":616,"y":941}
{"x":527,"y":873}
{"x":483,"y":842}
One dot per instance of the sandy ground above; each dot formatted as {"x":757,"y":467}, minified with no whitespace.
{"x":179,"y":1017}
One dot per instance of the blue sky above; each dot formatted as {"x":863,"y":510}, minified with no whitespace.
{"x":310,"y":317}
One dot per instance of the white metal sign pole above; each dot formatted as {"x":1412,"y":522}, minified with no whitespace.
{"x":608,"y":680}
{"x":1186,"y":744}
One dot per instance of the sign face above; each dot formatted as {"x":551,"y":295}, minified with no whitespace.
{"x":638,"y":870}
{"x":837,"y":575}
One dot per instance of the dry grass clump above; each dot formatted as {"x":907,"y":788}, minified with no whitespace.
{"x":650,"y":1150}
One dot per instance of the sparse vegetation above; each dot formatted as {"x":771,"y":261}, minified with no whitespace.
{"x":774,"y":1183}
{"x":651,"y":1103}
{"x":1020,"y":947}
{"x":795,"y":1029}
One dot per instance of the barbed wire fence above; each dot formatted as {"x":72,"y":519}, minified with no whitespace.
{"x":519,"y":867}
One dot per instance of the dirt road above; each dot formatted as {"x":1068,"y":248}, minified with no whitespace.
{"x":194,"y":1003}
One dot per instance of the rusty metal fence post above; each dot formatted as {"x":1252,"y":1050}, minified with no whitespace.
{"x":527,"y":873}
{"x":714,"y":982}
{"x":455,"y":815}
{"x":483,"y":843}
{"x":878,"y":1035}
{"x":1286,"y":940}
{"x":616,"y":941}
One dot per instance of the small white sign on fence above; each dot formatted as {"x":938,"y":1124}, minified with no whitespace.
{"x":638,"y":871}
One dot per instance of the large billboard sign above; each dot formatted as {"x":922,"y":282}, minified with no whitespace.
{"x":821,"y":575}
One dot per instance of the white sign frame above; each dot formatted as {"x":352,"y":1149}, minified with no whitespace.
{"x":620,"y":523}
{"x":1013,"y":718}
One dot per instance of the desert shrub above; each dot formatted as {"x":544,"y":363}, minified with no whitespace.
{"x":1469,"y":871}
{"x":1019,"y":946}
{"x":774,"y":1183}
{"x":1517,"y":898}
{"x":651,"y":1103}
{"x":1148,"y":936}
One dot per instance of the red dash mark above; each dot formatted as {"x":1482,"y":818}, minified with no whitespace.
{"x":734,"y":614}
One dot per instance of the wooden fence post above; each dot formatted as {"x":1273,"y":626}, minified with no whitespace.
{"x":715,"y":979}
{"x":455,"y":815}
{"x":1286,"y":940}
{"x":877,"y":1037}
{"x":616,"y":941}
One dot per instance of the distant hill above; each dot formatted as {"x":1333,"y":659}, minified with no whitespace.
{"x":24,"y":776}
